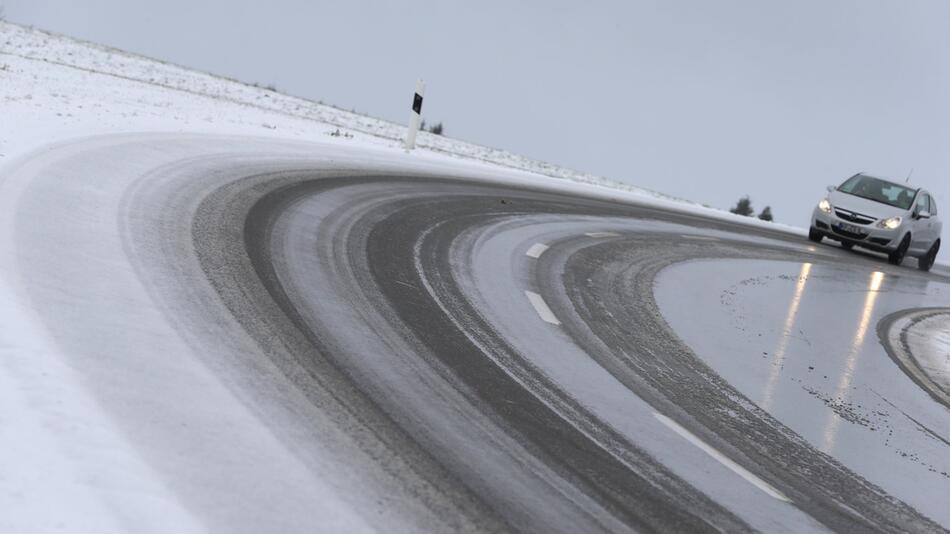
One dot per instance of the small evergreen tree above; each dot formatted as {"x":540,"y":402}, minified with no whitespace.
{"x":766,"y":214}
{"x":436,"y":129}
{"x":743,"y":207}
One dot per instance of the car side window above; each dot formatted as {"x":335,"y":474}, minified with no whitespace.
{"x":933,"y":206}
{"x":923,"y":202}
{"x":904,"y":198}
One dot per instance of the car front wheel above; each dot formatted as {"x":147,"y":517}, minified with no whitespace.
{"x":897,"y":257}
{"x":814,"y":235}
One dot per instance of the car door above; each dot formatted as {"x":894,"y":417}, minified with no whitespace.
{"x":936,"y":225}
{"x":920,"y":229}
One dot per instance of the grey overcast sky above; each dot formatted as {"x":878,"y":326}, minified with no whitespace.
{"x":707,"y":100}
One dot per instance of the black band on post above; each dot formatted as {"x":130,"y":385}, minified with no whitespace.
{"x":417,"y":103}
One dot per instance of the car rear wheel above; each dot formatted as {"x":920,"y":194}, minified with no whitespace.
{"x":925,"y":262}
{"x":814,"y":235}
{"x":897,"y":257}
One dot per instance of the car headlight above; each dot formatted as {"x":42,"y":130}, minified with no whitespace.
{"x":824,"y":205}
{"x":891,"y":223}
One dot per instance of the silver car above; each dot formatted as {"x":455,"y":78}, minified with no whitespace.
{"x":880,"y":215}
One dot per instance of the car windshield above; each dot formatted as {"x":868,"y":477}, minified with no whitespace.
{"x":879,"y":190}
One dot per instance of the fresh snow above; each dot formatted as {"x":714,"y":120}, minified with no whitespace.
{"x":56,"y":88}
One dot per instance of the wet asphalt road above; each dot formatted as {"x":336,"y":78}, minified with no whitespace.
{"x":500,"y":390}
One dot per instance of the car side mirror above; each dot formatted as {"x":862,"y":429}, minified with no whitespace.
{"x":830,"y":188}
{"x":923,"y":214}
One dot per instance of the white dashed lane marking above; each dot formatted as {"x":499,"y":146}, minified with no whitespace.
{"x":542,"y":308}
{"x":602,"y":234}
{"x":721,"y":458}
{"x":536,"y":250}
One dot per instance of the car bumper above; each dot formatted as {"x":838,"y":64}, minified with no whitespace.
{"x":867,"y":236}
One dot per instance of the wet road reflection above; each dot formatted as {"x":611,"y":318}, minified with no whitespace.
{"x":874,"y":286}
{"x":779,"y":354}
{"x":800,"y":340}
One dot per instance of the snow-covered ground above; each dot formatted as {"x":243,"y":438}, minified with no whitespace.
{"x":120,"y":91}
{"x":920,"y":340}
{"x":929,"y":341}
{"x":56,"y":88}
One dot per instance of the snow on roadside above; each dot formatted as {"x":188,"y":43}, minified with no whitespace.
{"x":55,"y":88}
{"x":926,"y":336}
{"x":46,"y":487}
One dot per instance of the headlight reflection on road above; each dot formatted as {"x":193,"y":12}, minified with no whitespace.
{"x":831,"y":427}
{"x":778,"y":355}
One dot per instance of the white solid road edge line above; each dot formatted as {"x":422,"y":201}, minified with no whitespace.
{"x":718,"y":456}
{"x":536,"y":250}
{"x":602,"y":234}
{"x":542,"y":308}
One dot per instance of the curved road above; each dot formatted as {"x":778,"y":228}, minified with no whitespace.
{"x":442,"y":352}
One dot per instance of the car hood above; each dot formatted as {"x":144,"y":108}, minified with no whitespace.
{"x":863,"y":206}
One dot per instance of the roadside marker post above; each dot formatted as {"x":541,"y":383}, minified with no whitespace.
{"x":416,"y":115}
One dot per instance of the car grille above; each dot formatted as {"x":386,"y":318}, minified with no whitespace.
{"x":853,"y":217}
{"x":851,"y":235}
